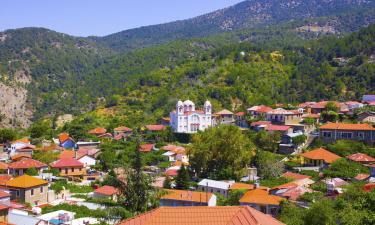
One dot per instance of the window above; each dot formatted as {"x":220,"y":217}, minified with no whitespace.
{"x":361,"y":135}
{"x":346,"y":135}
{"x":32,"y":192}
{"x":327,"y":134}
{"x":17,"y":193}
{"x":41,"y":189}
{"x":72,"y":169}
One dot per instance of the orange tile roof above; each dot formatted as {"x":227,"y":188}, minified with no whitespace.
{"x":22,"y":140}
{"x":362,"y":176}
{"x":203,"y":215}
{"x":146,"y":147}
{"x":4,"y":178}
{"x":67,"y":154}
{"x":360,"y":157}
{"x":26,"y":163}
{"x":155,"y":127}
{"x":347,"y":126}
{"x":182,"y":195}
{"x":106,"y":190}
{"x":3,"y":166}
{"x":285,"y":186}
{"x":98,"y":131}
{"x":173,"y":148}
{"x":295,"y":176}
{"x":241,"y":186}
{"x":261,"y":197}
{"x":321,"y":154}
{"x":123,"y":129}
{"x":4,"y":194}
{"x":25,"y":181}
{"x":63,"y":137}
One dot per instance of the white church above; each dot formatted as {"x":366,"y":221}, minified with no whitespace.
{"x":186,"y":119}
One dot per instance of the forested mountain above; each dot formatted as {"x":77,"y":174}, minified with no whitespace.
{"x":40,"y":67}
{"x":247,"y":14}
{"x":43,"y":72}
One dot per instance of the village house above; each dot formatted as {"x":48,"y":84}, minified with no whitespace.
{"x":122,"y":132}
{"x":186,"y":119}
{"x":241,"y":121}
{"x":282,"y":116}
{"x":4,"y":206}
{"x":87,"y":160}
{"x":175,"y":153}
{"x":262,"y":201}
{"x":21,"y":166}
{"x":66,"y":141}
{"x":258,"y":112}
{"x":331,"y":132}
{"x":366,"y":117}
{"x":106,"y":191}
{"x":286,"y":145}
{"x":69,"y":167}
{"x":187,"y":198}
{"x":318,"y":158}
{"x":146,"y":147}
{"x":214,"y":186}
{"x":28,"y":189}
{"x":223,"y":117}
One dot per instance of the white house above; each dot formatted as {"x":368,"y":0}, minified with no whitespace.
{"x":87,"y":160}
{"x":186,"y":119}
{"x":214,"y":186}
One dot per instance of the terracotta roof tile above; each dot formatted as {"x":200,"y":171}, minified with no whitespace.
{"x":295,"y":176}
{"x":260,"y":109}
{"x":146,"y":147}
{"x":66,"y":162}
{"x":3,"y":166}
{"x":25,"y":181}
{"x":123,"y":129}
{"x":241,"y":186}
{"x":272,"y":127}
{"x":67,"y":154}
{"x":347,"y":126}
{"x":26,"y":163}
{"x":361,"y":157}
{"x":261,"y":197}
{"x":155,"y":127}
{"x":98,"y":131}
{"x":182,"y":195}
{"x":362,"y":176}
{"x":224,"y":112}
{"x":106,"y":190}
{"x":240,"y":113}
{"x":4,"y":194}
{"x":203,"y":215}
{"x":63,"y":137}
{"x":322,"y":154}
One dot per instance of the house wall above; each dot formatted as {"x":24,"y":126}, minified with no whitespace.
{"x":170,"y":202}
{"x":72,"y":171}
{"x":272,"y":210}
{"x":213,"y":190}
{"x":329,"y":136}
{"x":87,"y":161}
{"x":4,"y":216}
{"x":39,"y":195}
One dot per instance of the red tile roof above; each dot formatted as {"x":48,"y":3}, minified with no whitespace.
{"x":295,"y":176}
{"x":260,"y":109}
{"x":155,"y":127}
{"x":174,"y":148}
{"x":347,"y":126}
{"x":98,"y":131}
{"x":106,"y":190}
{"x":66,"y":162}
{"x":369,"y":187}
{"x":360,"y":157}
{"x":26,"y":163}
{"x":3,"y":166}
{"x":4,"y":194}
{"x":240,"y":114}
{"x":203,"y":215}
{"x":272,"y":127}
{"x":362,"y":176}
{"x":258,"y":123}
{"x":146,"y":147}
{"x":4,"y":178}
{"x":285,"y":186}
{"x":123,"y":129}
{"x":171,"y":173}
{"x":321,"y":154}
{"x":67,"y":154}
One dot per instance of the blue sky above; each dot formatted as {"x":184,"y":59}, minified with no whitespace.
{"x":100,"y":17}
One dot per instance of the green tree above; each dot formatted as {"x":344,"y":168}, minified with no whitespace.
{"x":299,"y":140}
{"x":321,"y":213}
{"x":345,"y":169}
{"x":183,"y":178}
{"x":167,"y":182}
{"x":32,"y":172}
{"x":269,"y":165}
{"x":137,"y":189}
{"x":221,"y":152}
{"x":7,"y":135}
